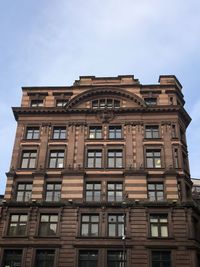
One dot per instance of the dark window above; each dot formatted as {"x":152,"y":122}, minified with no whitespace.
{"x":28,"y":159}
{"x":53,"y":191}
{"x":95,"y":132}
{"x":17,"y":225}
{"x":56,"y":159}
{"x":155,"y":191}
{"x":176,"y":158}
{"x":88,"y":258}
{"x":105,"y":103}
{"x":94,"y":158}
{"x":12,"y":258}
{"x":153,"y":158}
{"x":32,"y":133}
{"x":115,"y":192}
{"x":89,"y":225}
{"x":150,"y":101}
{"x":93,"y":191}
{"x":61,"y":102}
{"x":115,"y":132}
{"x":115,"y":158}
{"x":161,"y":259}
{"x":48,"y":225}
{"x":24,"y":192}
{"x":116,"y":225}
{"x":159,"y":225}
{"x":59,"y":133}
{"x":116,"y":259}
{"x":152,"y":131}
{"x":45,"y":258}
{"x":173,"y":129}
{"x":36,"y":103}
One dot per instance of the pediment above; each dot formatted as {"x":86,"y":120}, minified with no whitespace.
{"x":115,"y":94}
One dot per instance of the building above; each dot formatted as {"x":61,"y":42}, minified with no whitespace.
{"x":100,"y":177}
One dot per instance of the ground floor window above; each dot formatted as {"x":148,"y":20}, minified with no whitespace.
{"x":45,"y":258}
{"x":12,"y":258}
{"x":116,"y":258}
{"x":161,"y":259}
{"x":88,"y":258}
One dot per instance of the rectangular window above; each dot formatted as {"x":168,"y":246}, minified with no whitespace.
{"x":106,"y":103}
{"x":56,"y":159}
{"x":93,"y":191}
{"x":53,"y":191}
{"x":156,"y":191}
{"x":161,"y":259}
{"x":159,"y":225}
{"x":95,"y":132}
{"x":29,"y":159}
{"x":115,"y":158}
{"x":115,"y":192}
{"x":61,"y":102}
{"x":48,"y":225}
{"x":24,"y":192}
{"x":152,"y":131}
{"x":173,"y":131}
{"x":45,"y":258}
{"x":59,"y":133}
{"x":94,"y":158}
{"x":32,"y":133}
{"x":150,"y":101}
{"x":17,"y":225}
{"x":116,"y":258}
{"x":12,"y":258}
{"x":116,"y":225}
{"x":153,"y":158}
{"x":89,"y":225}
{"x":88,"y":258}
{"x":115,"y":132}
{"x":37,"y":103}
{"x":176,"y":158}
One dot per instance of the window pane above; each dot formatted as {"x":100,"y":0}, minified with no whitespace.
{"x":154,"y":231}
{"x":164,"y":231}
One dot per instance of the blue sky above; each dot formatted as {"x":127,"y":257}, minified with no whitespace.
{"x":51,"y":42}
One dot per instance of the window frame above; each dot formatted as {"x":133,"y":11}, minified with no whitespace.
{"x":160,"y":262}
{"x":56,"y":150}
{"x":96,"y":149}
{"x":159,"y":225}
{"x":29,"y":150}
{"x":88,"y":250}
{"x":45,"y":213}
{"x":95,"y":128}
{"x":116,"y":103}
{"x":60,"y":129}
{"x":24,"y":191}
{"x":53,"y":191}
{"x":154,"y":149}
{"x":124,"y":261}
{"x":149,"y":101}
{"x":115,"y":128}
{"x":32,"y":127}
{"x":115,"y":158}
{"x":114,"y":191}
{"x":47,"y":249}
{"x":90,"y":223}
{"x":156,"y":190}
{"x":18,"y":222}
{"x":93,"y":191}
{"x":2,"y":260}
{"x":116,"y":224}
{"x":39,"y":103}
{"x":154,"y":131}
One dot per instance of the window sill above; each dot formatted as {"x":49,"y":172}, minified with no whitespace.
{"x":30,"y":140}
{"x":160,"y":238}
{"x":58,"y":140}
{"x":47,"y":236}
{"x":152,"y":139}
{"x":17,"y":236}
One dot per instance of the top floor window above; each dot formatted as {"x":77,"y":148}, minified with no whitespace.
{"x":32,"y":133}
{"x":95,"y":132}
{"x":152,"y":131}
{"x":150,"y":101}
{"x":61,"y":102}
{"x":59,"y":132}
{"x":105,"y":103}
{"x":37,"y":103}
{"x":115,"y":132}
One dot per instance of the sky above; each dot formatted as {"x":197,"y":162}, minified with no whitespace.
{"x":50,"y":42}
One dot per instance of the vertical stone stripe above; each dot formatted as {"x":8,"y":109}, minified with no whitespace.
{"x":80,"y":148}
{"x":129,"y":147}
{"x":71,"y":144}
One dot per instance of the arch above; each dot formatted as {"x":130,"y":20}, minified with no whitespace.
{"x":99,"y":92}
